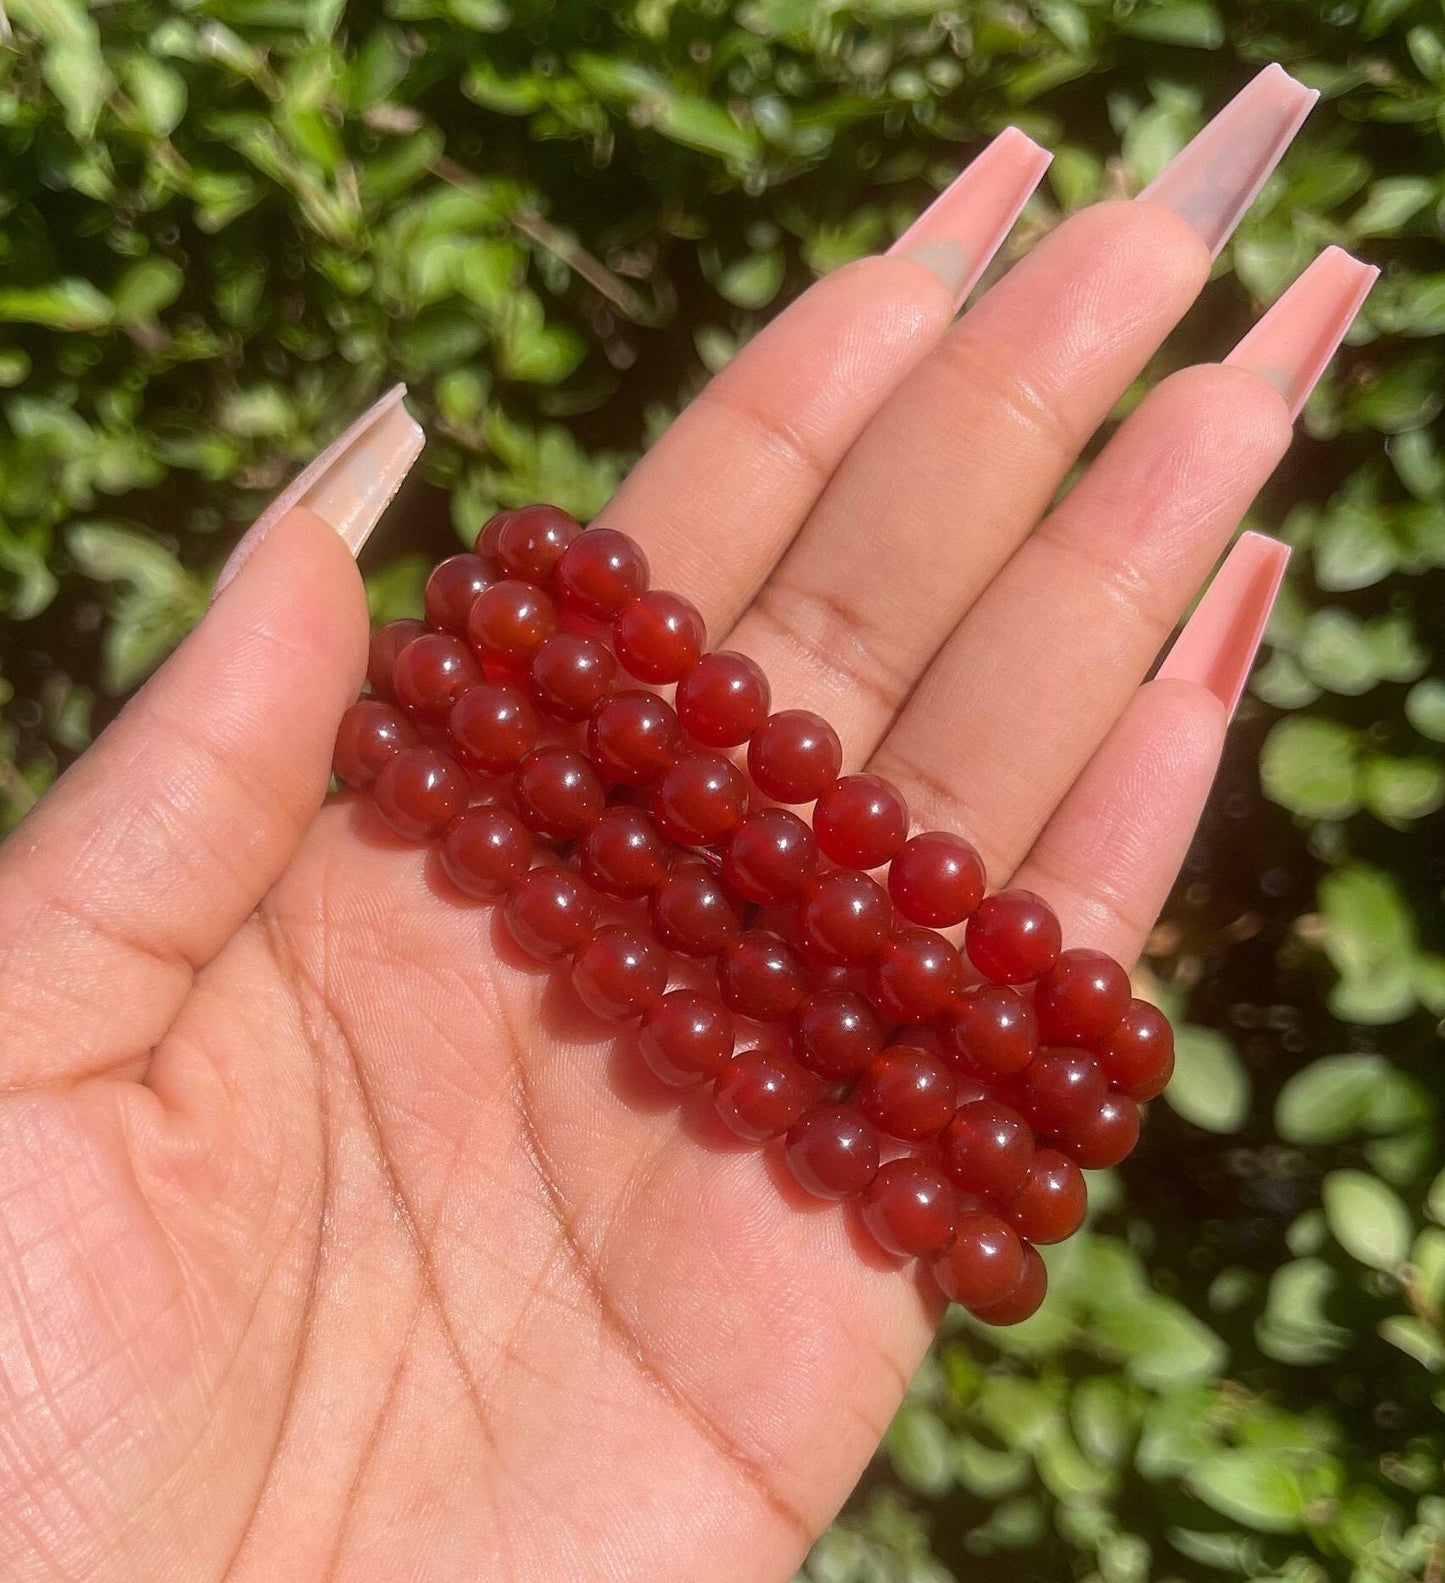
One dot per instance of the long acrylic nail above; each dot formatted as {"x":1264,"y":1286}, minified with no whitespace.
{"x":1217,"y":646}
{"x":349,"y":484}
{"x":1215,"y":178}
{"x":1292,"y":344}
{"x":958,"y":234}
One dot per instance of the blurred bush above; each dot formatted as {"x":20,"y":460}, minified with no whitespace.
{"x":226,"y":224}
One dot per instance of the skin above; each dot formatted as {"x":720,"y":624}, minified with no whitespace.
{"x":339,"y":1243}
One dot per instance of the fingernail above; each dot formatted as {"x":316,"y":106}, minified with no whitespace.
{"x":958,"y":234}
{"x":349,"y":484}
{"x":1215,"y":178}
{"x":1292,"y":344}
{"x":1217,"y":646}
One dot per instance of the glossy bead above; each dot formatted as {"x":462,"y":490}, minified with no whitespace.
{"x":936,"y":879}
{"x":761,"y":976}
{"x":600,"y":572}
{"x":451,"y":589}
{"x":1137,"y":1053}
{"x":794,"y":755}
{"x":702,"y":798}
{"x":493,"y":727}
{"x":486,"y":852}
{"x":1060,"y":1089}
{"x":624,"y":854}
{"x":420,"y":792}
{"x":984,"y":1263}
{"x":992,"y":1032}
{"x":1024,"y":1301}
{"x":907,"y":1092}
{"x":619,"y":973}
{"x":860,"y":821}
{"x":686,"y":1038}
{"x":530,"y":542}
{"x":760,"y":1094}
{"x":1051,"y":1204}
{"x":386,"y":643}
{"x":915,"y":978}
{"x":770,"y":858}
{"x":987,"y":1149}
{"x":659,"y":637}
{"x":910,"y":1208}
{"x":559,"y":794}
{"x":510,"y":621}
{"x":1081,"y":997}
{"x":369,"y":737}
{"x":432,"y":672}
{"x":489,"y":536}
{"x":836,"y":1033}
{"x":634,"y":737}
{"x":832,"y":1151}
{"x":1013,"y":936}
{"x":1106,"y":1137}
{"x":845,"y":917}
{"x":571,"y":674}
{"x":723,"y":699}
{"x":551,"y":913}
{"x":691,"y":912}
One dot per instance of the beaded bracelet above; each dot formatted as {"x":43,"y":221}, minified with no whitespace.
{"x":955,"y":1094}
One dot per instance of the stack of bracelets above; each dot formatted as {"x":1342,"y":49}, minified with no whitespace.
{"x":955,"y":1094}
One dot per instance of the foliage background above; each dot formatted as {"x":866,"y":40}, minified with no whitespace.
{"x":226,"y":224}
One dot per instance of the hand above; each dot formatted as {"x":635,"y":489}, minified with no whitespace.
{"x":336,"y":1244}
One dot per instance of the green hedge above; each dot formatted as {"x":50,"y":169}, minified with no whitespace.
{"x":225,"y":224}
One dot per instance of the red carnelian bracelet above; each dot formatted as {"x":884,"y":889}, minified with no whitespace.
{"x":521,"y":717}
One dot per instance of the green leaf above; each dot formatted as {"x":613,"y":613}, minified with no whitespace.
{"x":1252,"y":1488}
{"x":1340,"y":1096}
{"x":1425,"y":708}
{"x":1367,"y":1219}
{"x":1310,"y":766}
{"x":1294,"y":1327}
{"x":1391,"y":202}
{"x":1401,"y":790}
{"x":1369,"y":937}
{"x":1196,"y":24}
{"x":1210,"y":1086}
{"x":148,"y":286}
{"x":1417,"y":1339}
{"x":918,"y":1446}
{"x":66,"y":305}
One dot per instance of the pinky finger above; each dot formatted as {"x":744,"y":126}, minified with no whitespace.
{"x":1109,"y":855}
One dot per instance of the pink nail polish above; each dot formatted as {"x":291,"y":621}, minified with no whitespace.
{"x":1217,"y":646}
{"x":1215,"y":178}
{"x":349,"y":484}
{"x":958,"y":234}
{"x":1292,"y":344}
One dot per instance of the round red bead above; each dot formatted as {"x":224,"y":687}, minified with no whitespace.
{"x":993,"y":1033}
{"x":700,"y":799}
{"x":451,"y":589}
{"x":624,"y":854}
{"x":907,"y":1092}
{"x":1137,"y":1053}
{"x":987,"y":1149}
{"x":420,"y":792}
{"x":1024,"y":1301}
{"x":1013,"y":936}
{"x":1060,"y":1089}
{"x":386,"y":643}
{"x":1053,"y":1200}
{"x":915,"y":978}
{"x":530,"y":541}
{"x":619,"y":973}
{"x":659,"y":637}
{"x":832,"y":1151}
{"x":493,"y":727}
{"x":836,"y":1033}
{"x":1081,"y":997}
{"x":910,"y":1208}
{"x":686,"y":1038}
{"x":559,"y":793}
{"x":936,"y":879}
{"x":432,"y":672}
{"x":486,"y":852}
{"x":551,"y":913}
{"x":510,"y":621}
{"x":984,"y":1263}
{"x":723,"y":699}
{"x":692,"y":913}
{"x":761,"y":976}
{"x":760,"y":1094}
{"x":845,"y":917}
{"x":770,"y":857}
{"x":369,"y":737}
{"x":571,"y":674}
{"x":489,"y":536}
{"x":1106,"y":1137}
{"x":794,"y":756}
{"x":860,"y":821}
{"x":634,"y":737}
{"x":600,"y":572}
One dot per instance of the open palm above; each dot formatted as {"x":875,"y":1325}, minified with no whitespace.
{"x":336,"y":1241}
